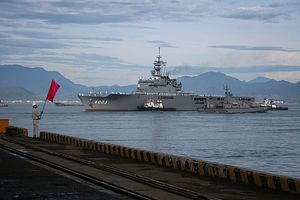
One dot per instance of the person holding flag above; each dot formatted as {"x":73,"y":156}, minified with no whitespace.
{"x":36,"y":116}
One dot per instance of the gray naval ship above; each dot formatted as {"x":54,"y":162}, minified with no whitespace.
{"x":160,"y":92}
{"x":233,"y":104}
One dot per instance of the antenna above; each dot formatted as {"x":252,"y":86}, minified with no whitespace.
{"x":158,"y":51}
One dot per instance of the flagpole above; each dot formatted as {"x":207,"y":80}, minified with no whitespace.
{"x":43,"y":108}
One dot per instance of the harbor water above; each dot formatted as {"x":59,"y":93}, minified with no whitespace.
{"x":267,"y":142}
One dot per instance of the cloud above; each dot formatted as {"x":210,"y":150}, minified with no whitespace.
{"x":67,"y":12}
{"x":129,"y":26}
{"x":254,"y":13}
{"x":4,"y":35}
{"x":25,"y":24}
{"x":254,"y":48}
{"x":89,"y":61}
{"x":100,"y":34}
{"x":275,"y":5}
{"x":7,"y":52}
{"x":31,"y":44}
{"x":55,"y":36}
{"x":99,"y":12}
{"x":159,"y":43}
{"x":80,"y":18}
{"x":272,"y":12}
{"x":291,"y":76}
{"x":95,"y":59}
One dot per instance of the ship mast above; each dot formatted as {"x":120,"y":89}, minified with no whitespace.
{"x":158,"y":64}
{"x":227,"y":91}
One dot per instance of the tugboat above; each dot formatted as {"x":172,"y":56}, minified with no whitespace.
{"x":151,"y":105}
{"x":2,"y":104}
{"x":233,"y":104}
{"x":273,"y":105}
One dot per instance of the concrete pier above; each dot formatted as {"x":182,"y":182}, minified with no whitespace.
{"x":205,"y":180}
{"x":20,"y":179}
{"x":194,"y":167}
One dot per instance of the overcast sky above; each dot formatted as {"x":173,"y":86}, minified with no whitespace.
{"x":115,"y":42}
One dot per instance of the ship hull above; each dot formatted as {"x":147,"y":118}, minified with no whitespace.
{"x":171,"y":102}
{"x":237,"y":110}
{"x":134,"y":102}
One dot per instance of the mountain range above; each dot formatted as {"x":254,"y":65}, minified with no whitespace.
{"x":24,"y":83}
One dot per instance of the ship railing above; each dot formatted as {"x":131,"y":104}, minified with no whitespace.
{"x":163,"y":94}
{"x":95,"y":94}
{"x":121,"y":93}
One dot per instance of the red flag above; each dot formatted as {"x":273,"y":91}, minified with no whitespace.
{"x":52,"y":90}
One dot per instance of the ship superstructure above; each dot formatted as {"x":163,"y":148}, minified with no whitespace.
{"x":158,"y":83}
